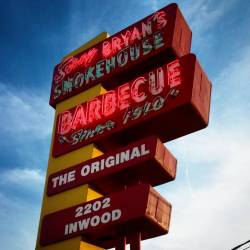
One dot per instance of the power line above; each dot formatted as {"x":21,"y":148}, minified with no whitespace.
{"x":241,"y":245}
{"x":246,"y":248}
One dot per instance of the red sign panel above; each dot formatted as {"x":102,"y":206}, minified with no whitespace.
{"x":160,"y":37}
{"x":145,"y":161}
{"x":159,"y":102}
{"x":102,"y":221}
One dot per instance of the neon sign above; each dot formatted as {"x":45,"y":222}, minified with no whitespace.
{"x":152,"y":162}
{"x":154,"y":87}
{"x":120,"y":99}
{"x":170,"y":89}
{"x":104,"y":220}
{"x":164,"y":30}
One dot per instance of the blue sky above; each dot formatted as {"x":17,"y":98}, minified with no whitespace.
{"x":210,"y":196}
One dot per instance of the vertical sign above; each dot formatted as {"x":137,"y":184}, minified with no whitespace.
{"x":152,"y":90}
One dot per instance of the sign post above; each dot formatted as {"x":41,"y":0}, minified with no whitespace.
{"x":117,"y":100}
{"x":79,"y":194}
{"x":137,"y":209}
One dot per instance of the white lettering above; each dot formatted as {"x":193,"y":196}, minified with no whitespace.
{"x":95,"y":167}
{"x":110,"y":162}
{"x":83,"y":224}
{"x":66,"y":230}
{"x":124,"y":156}
{"x":55,"y":180}
{"x":94,"y":221}
{"x":135,"y":153}
{"x":73,"y":227}
{"x":62,"y":179}
{"x":85,"y":170}
{"x":106,"y":217}
{"x":116,"y":214}
{"x":144,"y":151}
{"x":102,"y":164}
{"x":71,"y":176}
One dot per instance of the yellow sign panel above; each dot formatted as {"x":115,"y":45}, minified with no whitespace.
{"x":79,"y":194}
{"x":89,"y":44}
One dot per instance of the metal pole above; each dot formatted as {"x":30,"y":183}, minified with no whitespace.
{"x":135,"y":243}
{"x":121,"y":244}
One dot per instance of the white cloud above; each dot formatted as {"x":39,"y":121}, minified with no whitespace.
{"x":208,"y":215}
{"x":19,"y":220}
{"x":200,"y":14}
{"x":24,"y":113}
{"x":232,"y":84}
{"x":83,"y":29}
{"x":214,"y":214}
{"x":23,"y":177}
{"x":203,"y":14}
{"x":19,"y":214}
{"x":154,"y":5}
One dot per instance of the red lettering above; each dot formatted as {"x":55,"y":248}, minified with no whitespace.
{"x":68,"y":66}
{"x":106,"y":49}
{"x":65,"y":120}
{"x":109,"y":103}
{"x":156,"y":85}
{"x":138,"y":97}
{"x":126,"y":37}
{"x":135,"y":35}
{"x":82,"y":60}
{"x":90,"y":56}
{"x":160,"y":18}
{"x":124,"y":96}
{"x":72,"y":65}
{"x":174,"y":73}
{"x":94,"y":109}
{"x":139,"y":90}
{"x":79,"y":118}
{"x":116,"y":44}
{"x":87,"y":58}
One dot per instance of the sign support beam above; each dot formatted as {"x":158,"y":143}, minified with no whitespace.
{"x":121,"y":244}
{"x":136,"y":242}
{"x":79,"y":194}
{"x":99,"y":190}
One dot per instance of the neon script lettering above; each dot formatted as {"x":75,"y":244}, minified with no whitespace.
{"x":106,"y":57}
{"x":123,"y":97}
{"x":129,"y":37}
